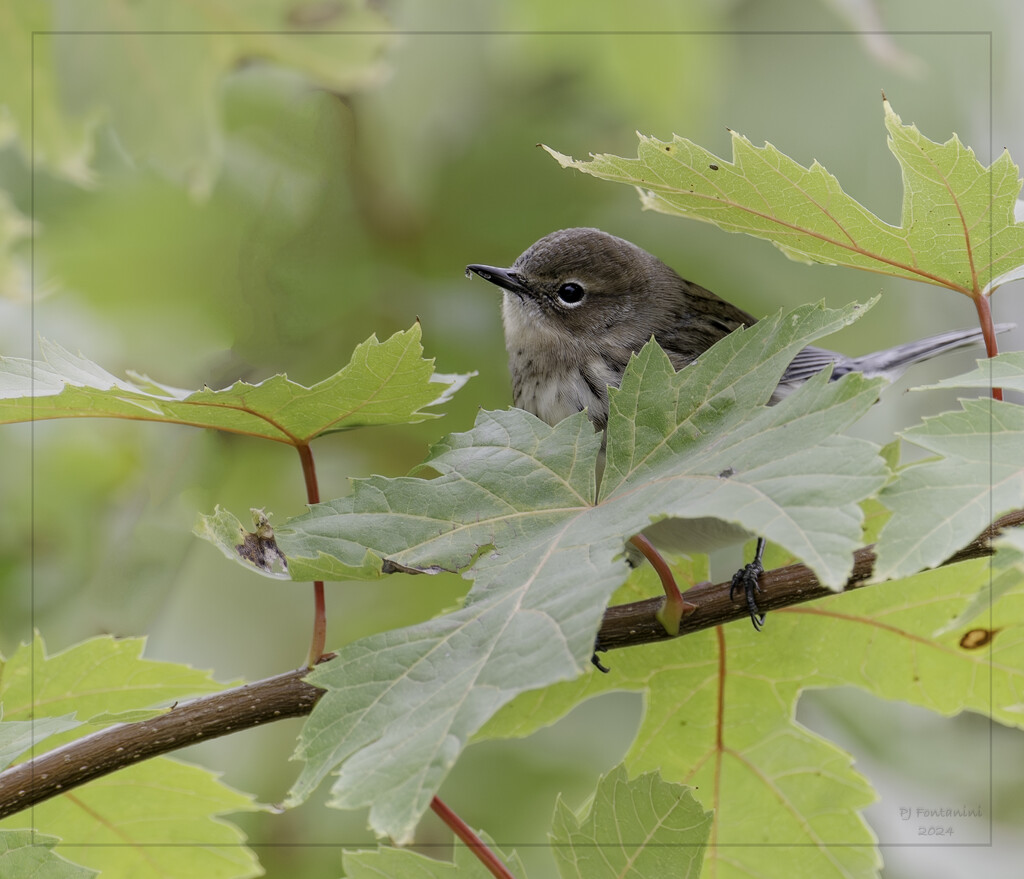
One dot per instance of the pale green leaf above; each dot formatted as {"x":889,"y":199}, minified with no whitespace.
{"x":384,"y":383}
{"x":400,"y":705}
{"x":782,"y":472}
{"x":159,"y":819}
{"x":641,"y":829}
{"x":938,"y":506}
{"x":515,"y":500}
{"x":95,"y":677}
{"x":1009,"y":548}
{"x":510,"y":478}
{"x":1006,"y":574}
{"x":720,"y":710}
{"x":17,"y":736}
{"x":957,"y":227}
{"x":397,"y":863}
{"x":25,"y":854}
{"x":1005,"y":371}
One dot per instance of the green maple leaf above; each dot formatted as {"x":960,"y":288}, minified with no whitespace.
{"x":957,"y":228}
{"x":940,"y":505}
{"x":97,"y":677}
{"x":641,"y":829}
{"x":17,"y":736}
{"x":30,"y":854}
{"x":720,"y":709}
{"x":1004,"y":371}
{"x":384,"y":383}
{"x":515,"y":503}
{"x":513,"y":477}
{"x":160,"y":818}
{"x":1006,"y":573}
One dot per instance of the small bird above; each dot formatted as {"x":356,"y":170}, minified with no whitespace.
{"x":578,"y":302}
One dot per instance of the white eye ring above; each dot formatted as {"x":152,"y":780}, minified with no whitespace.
{"x":571,"y":293}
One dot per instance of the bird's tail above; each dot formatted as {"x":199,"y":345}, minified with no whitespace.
{"x":891,"y":362}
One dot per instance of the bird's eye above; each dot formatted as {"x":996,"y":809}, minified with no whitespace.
{"x":571,"y":293}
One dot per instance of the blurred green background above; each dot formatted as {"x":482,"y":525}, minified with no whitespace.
{"x":215,"y":206}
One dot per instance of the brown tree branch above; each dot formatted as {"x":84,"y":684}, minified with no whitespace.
{"x":629,"y":625}
{"x":287,"y":695}
{"x":108,"y":750}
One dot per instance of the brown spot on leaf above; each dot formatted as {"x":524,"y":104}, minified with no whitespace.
{"x":977,"y":638}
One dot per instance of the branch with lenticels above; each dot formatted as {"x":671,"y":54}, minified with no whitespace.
{"x":288,"y":695}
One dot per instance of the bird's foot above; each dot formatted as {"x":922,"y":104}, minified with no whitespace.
{"x":595,"y":661}
{"x":747,"y":579}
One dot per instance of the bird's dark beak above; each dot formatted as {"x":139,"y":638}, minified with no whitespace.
{"x":504,"y":278}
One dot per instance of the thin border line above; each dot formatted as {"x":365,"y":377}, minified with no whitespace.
{"x":991,"y":470}
{"x":513,"y":33}
{"x":481,"y":33}
{"x":549,"y":845}
{"x":32,"y":413}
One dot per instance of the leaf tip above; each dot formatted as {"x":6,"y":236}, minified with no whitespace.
{"x":562,"y":159}
{"x":892,"y":118}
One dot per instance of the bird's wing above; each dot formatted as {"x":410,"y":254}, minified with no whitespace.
{"x":698,"y":320}
{"x":811,"y":361}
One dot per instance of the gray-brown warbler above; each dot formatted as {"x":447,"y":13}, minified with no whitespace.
{"x":578,"y":302}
